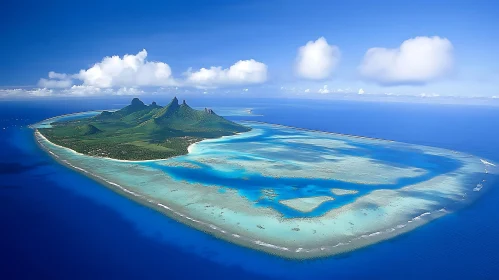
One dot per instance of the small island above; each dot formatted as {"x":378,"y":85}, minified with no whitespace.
{"x":141,"y":132}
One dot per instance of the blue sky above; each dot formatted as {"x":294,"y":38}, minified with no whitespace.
{"x":451,"y":48}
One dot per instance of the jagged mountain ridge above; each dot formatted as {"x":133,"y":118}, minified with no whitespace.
{"x":173,"y":117}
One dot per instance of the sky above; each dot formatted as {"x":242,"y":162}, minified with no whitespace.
{"x":261,"y":48}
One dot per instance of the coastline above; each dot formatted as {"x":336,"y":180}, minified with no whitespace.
{"x":33,"y":126}
{"x":269,"y":244}
{"x":189,"y":150}
{"x":296,"y":253}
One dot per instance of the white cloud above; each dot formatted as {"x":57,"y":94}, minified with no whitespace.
{"x":429,"y":95}
{"x":125,"y":75}
{"x":324,"y":90}
{"x":317,"y":60}
{"x":307,"y":90}
{"x":361,"y":91}
{"x":75,"y":90}
{"x":129,"y":71}
{"x":56,"y":80}
{"x":417,"y":60}
{"x":115,"y":71}
{"x":11,"y":92}
{"x":129,"y":91}
{"x":7,"y":92}
{"x":40,"y":92}
{"x":25,"y":92}
{"x":59,"y":76}
{"x":83,"y":90}
{"x":242,"y":72}
{"x":45,"y":83}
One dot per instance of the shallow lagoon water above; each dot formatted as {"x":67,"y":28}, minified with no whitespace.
{"x":271,"y":189}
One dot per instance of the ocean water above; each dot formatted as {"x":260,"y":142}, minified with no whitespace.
{"x":58,"y":224}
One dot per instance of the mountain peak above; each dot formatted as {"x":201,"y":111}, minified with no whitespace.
{"x":183,"y":102}
{"x":175,"y":100}
{"x":137,"y":102}
{"x":89,"y":129}
{"x":209,"y":111}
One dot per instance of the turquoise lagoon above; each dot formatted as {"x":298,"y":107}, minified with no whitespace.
{"x":292,"y":192}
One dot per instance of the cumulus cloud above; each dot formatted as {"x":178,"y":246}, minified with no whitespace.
{"x":415,"y":61}
{"x":361,"y":91}
{"x":59,"y":76}
{"x":242,"y":72}
{"x":127,"y":71}
{"x":115,"y":71}
{"x":45,"y":83}
{"x":324,"y":90}
{"x":317,"y":59}
{"x":56,"y":80}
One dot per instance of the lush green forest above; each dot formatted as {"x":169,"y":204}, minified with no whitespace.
{"x":141,"y":132}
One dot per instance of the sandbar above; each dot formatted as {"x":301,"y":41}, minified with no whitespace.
{"x":343,"y":191}
{"x":307,"y":204}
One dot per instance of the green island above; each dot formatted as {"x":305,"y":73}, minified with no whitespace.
{"x":141,"y":132}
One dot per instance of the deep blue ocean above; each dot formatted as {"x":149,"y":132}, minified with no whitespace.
{"x":59,"y":224}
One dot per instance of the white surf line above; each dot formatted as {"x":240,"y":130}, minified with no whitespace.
{"x":479,"y":186}
{"x":487,"y":162}
{"x":390,"y":230}
{"x":261,"y":243}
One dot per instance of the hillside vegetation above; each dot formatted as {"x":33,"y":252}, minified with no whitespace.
{"x":141,"y":132}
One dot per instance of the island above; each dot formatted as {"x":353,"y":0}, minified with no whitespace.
{"x":287,"y":191}
{"x":141,"y":132}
